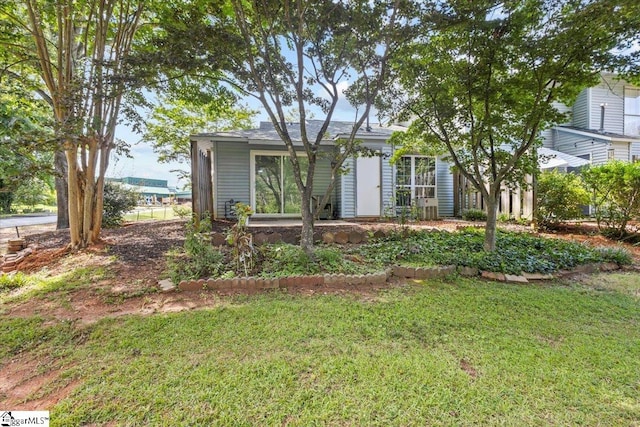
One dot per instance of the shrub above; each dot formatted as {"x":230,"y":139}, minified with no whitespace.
{"x":616,"y":195}
{"x":560,"y":197}
{"x":474,"y":215}
{"x":198,"y":258}
{"x":117,"y":200}
{"x":181,"y":211}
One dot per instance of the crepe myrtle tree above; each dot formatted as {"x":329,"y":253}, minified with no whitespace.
{"x":78,"y":51}
{"x":481,"y":81}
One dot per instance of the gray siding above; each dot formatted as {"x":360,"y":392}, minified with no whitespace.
{"x":614,"y":110}
{"x":444,"y":188}
{"x":348,"y":190}
{"x":232,"y":173}
{"x":547,"y":134}
{"x":580,"y":146}
{"x":580,"y":110}
{"x":388,"y":201}
{"x":621,"y":151}
{"x":635,"y":150}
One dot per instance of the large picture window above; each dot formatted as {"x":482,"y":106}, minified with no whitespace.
{"x":274,"y":187}
{"x":415,"y":178}
{"x":631,"y":111}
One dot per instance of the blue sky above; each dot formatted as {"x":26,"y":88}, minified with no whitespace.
{"x":144,"y":162}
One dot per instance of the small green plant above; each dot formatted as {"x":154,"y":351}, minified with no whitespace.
{"x":504,"y":218}
{"x":13,"y":281}
{"x":241,"y":240}
{"x":117,"y":200}
{"x":198,"y":258}
{"x":181,"y":211}
{"x":619,"y":256}
{"x":474,"y":215}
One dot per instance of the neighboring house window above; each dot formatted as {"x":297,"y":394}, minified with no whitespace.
{"x":415,"y":178}
{"x":631,"y":111}
{"x":611,"y":154}
{"x":274,"y":187}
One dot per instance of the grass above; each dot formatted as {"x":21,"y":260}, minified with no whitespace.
{"x":147,"y":213}
{"x":456,"y":352}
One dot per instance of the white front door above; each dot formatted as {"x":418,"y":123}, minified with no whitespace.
{"x":368,"y":192}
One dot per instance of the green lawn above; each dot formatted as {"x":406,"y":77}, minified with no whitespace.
{"x":455,"y":352}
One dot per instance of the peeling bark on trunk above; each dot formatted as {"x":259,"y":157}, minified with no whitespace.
{"x":62,"y":190}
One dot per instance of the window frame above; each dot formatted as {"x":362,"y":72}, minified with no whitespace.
{"x":412,"y":186}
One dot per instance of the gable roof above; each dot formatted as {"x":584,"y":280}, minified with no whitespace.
{"x":336,"y":129}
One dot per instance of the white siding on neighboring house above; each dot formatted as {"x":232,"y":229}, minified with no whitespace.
{"x":444,"y":188}
{"x":547,"y":134}
{"x":620,"y":150}
{"x":580,"y":110}
{"x":635,"y":151}
{"x":581,"y":146}
{"x":613,"y":110}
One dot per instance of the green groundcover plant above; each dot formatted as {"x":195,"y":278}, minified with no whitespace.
{"x":516,"y":253}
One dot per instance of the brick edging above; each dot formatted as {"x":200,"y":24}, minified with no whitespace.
{"x":254,"y":284}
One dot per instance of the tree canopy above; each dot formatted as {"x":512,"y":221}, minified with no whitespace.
{"x":483,"y":79}
{"x":78,"y":51}
{"x":294,"y":57}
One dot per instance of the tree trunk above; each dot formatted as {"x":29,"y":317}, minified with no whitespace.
{"x":306,"y":234}
{"x":490,"y":229}
{"x":62,"y":190}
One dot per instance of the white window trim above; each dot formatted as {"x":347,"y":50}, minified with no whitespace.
{"x":624,"y":112}
{"x":412,"y":185}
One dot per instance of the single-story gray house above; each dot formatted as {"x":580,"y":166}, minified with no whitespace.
{"x":252,"y":166}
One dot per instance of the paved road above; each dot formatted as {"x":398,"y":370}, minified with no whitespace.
{"x":25,"y":220}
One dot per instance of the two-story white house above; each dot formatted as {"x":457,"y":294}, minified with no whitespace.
{"x":605,"y":123}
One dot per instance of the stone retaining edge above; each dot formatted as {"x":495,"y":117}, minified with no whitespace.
{"x":254,"y":284}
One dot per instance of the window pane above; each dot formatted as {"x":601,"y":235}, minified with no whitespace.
{"x":631,"y":101}
{"x":403,"y":196}
{"x":403,"y":171}
{"x":267,"y":185}
{"x":292,"y":199}
{"x":427,"y":192}
{"x":632,"y":125}
{"x":425,"y":170}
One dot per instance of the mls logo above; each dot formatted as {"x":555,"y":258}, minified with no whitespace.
{"x":5,"y":419}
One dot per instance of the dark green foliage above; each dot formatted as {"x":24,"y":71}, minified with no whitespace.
{"x":515,"y":252}
{"x":560,"y":197}
{"x":118,"y":200}
{"x":198,"y":258}
{"x":474,"y":215}
{"x":616,"y":195}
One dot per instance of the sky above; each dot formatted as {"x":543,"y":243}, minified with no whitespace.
{"x":144,"y":162}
